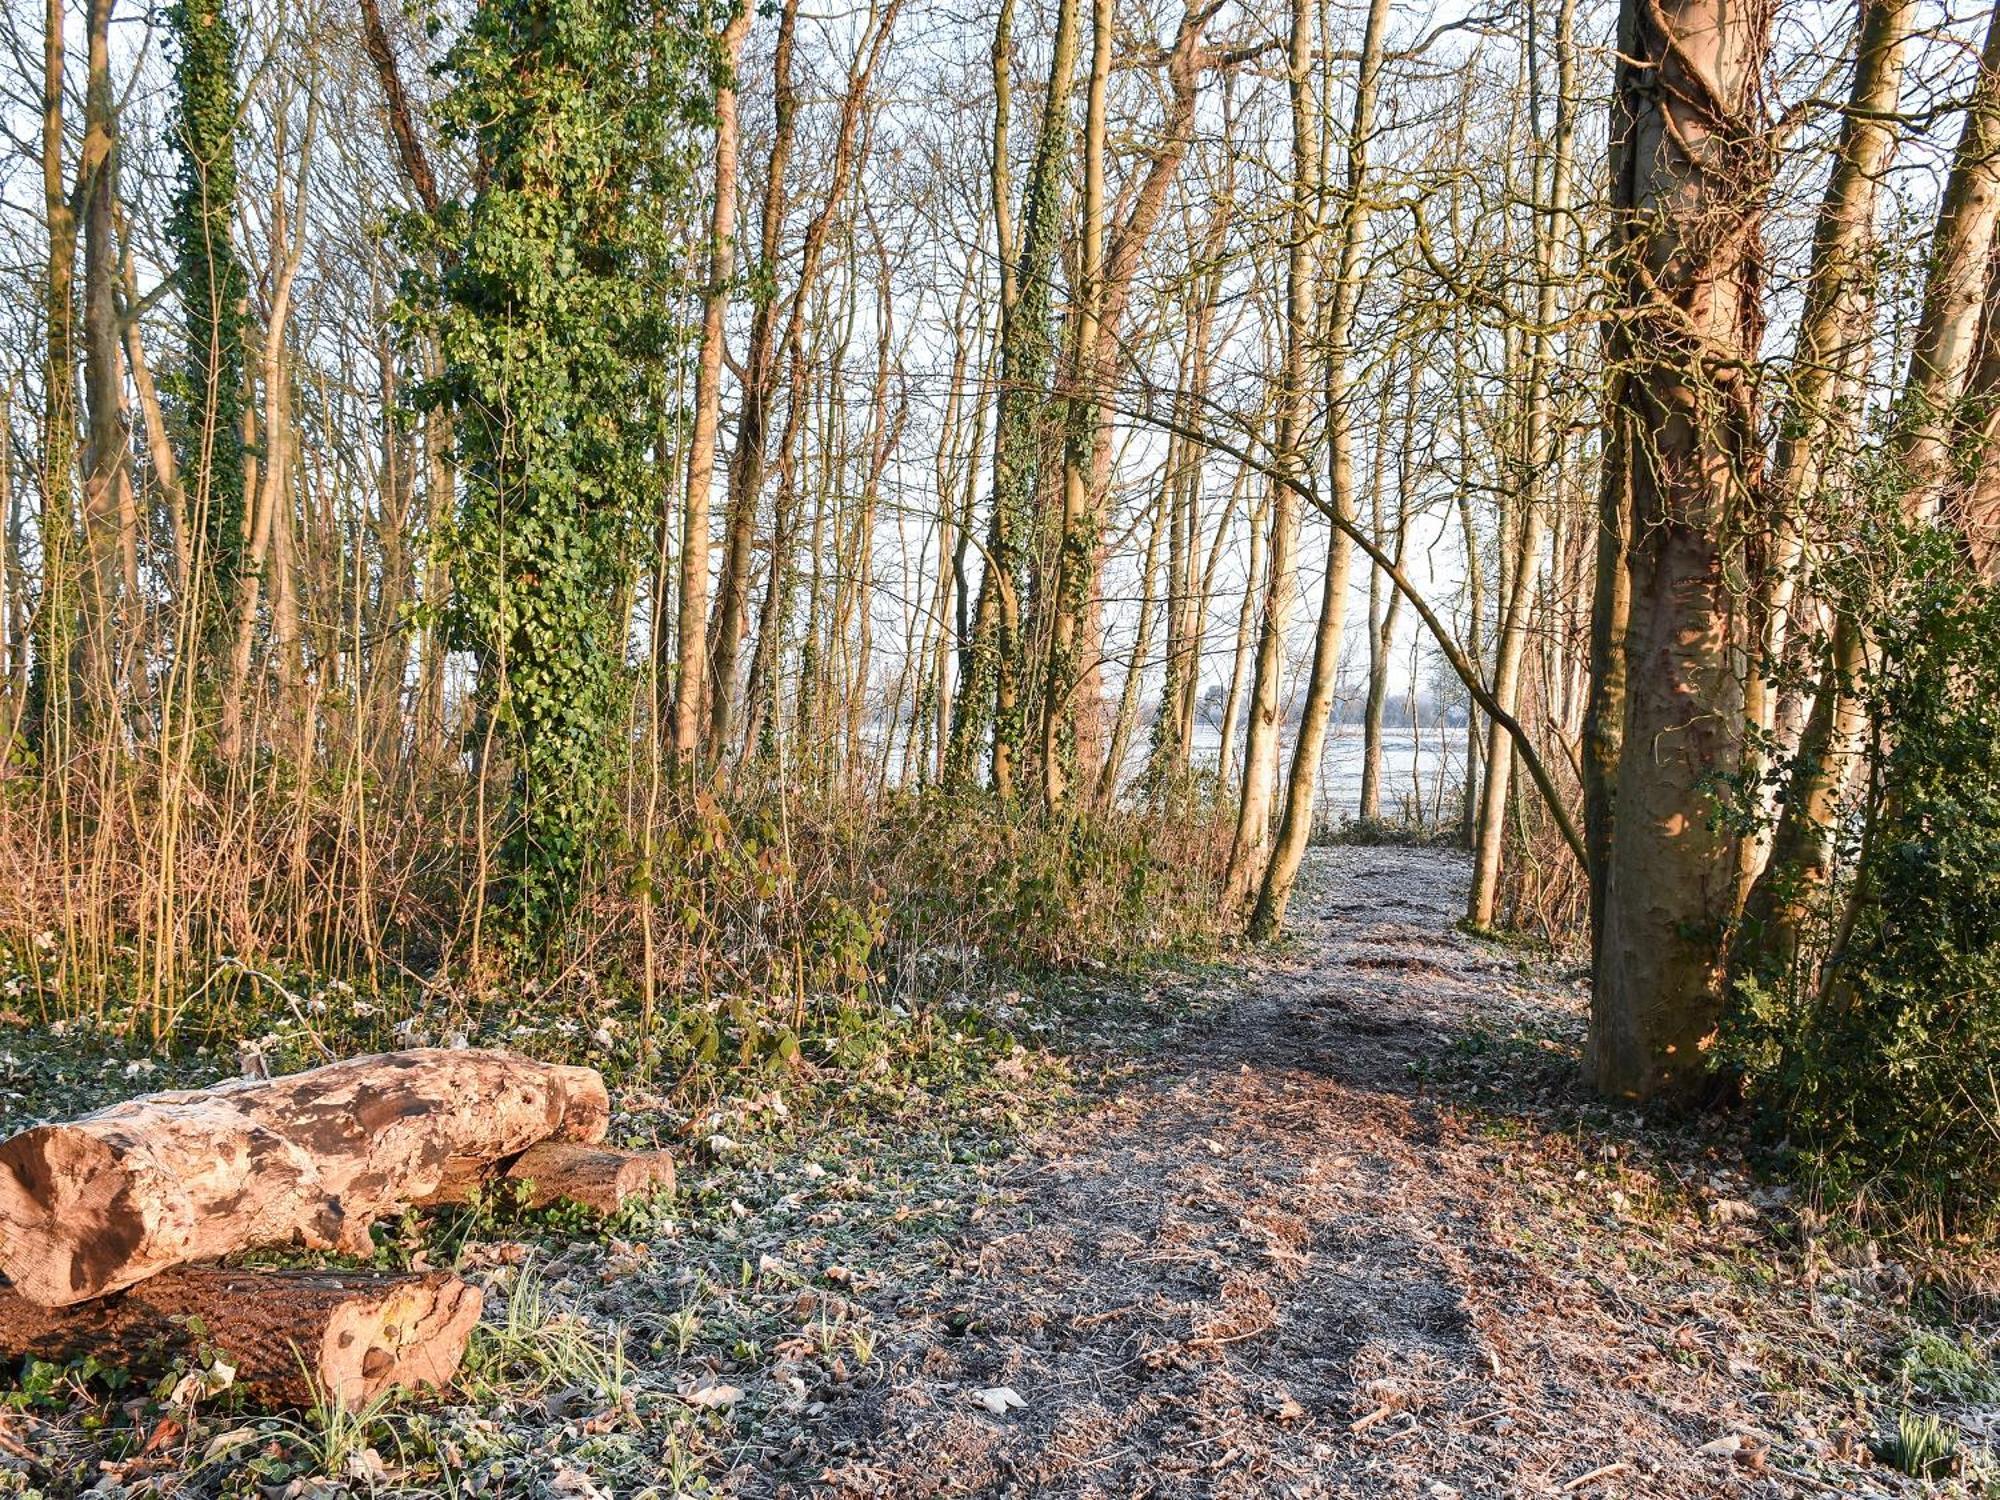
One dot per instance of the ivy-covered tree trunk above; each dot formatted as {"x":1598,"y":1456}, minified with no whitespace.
{"x":45,"y":711}
{"x":989,"y":695}
{"x":557,"y":326}
{"x":213,"y":289}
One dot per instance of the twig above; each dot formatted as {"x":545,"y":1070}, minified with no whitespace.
{"x":1604,"y":1473}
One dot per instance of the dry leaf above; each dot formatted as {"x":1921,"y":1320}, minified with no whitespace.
{"x":999,"y":1399}
{"x":713,"y":1395}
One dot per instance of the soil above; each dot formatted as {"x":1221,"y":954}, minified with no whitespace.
{"x":1362,"y":1236}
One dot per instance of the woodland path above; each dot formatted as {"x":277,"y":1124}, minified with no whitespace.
{"x":1334,"y":1247}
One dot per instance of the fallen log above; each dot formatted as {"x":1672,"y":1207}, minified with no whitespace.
{"x":314,"y":1158}
{"x":294,"y":1337}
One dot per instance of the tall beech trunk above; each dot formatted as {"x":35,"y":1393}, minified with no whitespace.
{"x":1077,"y":552}
{"x":691,"y":623}
{"x":108,"y":512}
{"x":1295,"y":828}
{"x":1689,"y":175}
{"x":46,"y":710}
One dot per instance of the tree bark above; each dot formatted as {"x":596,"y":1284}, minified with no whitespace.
{"x":1075,"y":571}
{"x":1690,"y":170}
{"x":1540,"y":446}
{"x":1840,"y":293}
{"x":692,"y":623}
{"x":1295,"y":828}
{"x":1249,"y":846}
{"x":103,"y":1202}
{"x":295,"y":1338}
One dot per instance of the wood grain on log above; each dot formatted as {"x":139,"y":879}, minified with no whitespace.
{"x":313,"y":1158}
{"x":294,"y":1337}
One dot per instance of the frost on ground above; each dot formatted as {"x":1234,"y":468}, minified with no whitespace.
{"x":1364,"y":1237}
{"x":1354,"y":1231}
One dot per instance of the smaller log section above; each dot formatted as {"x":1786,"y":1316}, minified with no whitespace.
{"x":294,"y":1337}
{"x":597,"y":1177}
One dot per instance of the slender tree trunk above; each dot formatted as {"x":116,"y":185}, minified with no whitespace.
{"x":1127,"y":715}
{"x":1239,"y":662}
{"x":1840,"y":294}
{"x":1295,"y":828}
{"x":1382,"y":612}
{"x":1540,"y":448}
{"x":107,"y":491}
{"x":1941,"y":355}
{"x":1249,"y":847}
{"x":47,"y":710}
{"x":692,"y":621}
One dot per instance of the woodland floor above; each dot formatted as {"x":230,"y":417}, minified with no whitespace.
{"x":1346,"y":1226}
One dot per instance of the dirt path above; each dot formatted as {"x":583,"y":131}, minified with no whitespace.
{"x":1314,"y":1258}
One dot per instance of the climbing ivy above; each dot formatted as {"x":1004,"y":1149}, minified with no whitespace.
{"x":213,"y":289}
{"x":557,"y":315}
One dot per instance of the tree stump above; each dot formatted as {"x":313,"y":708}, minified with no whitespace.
{"x":103,"y":1202}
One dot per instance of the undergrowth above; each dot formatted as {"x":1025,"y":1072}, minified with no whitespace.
{"x":776,"y":937}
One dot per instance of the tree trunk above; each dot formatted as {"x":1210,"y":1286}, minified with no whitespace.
{"x":1075,"y":570}
{"x":1954,"y":290}
{"x":989,"y":693}
{"x":1239,"y":662}
{"x":692,"y":624}
{"x":1248,"y":848}
{"x":107,"y":489}
{"x":1840,"y":293}
{"x":1295,"y":828}
{"x":1689,"y":175}
{"x":1541,"y":444}
{"x":47,"y":708}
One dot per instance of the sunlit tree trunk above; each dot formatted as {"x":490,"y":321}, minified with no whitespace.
{"x":1076,"y":559}
{"x":108,"y":512}
{"x":1540,"y":446}
{"x":1833,"y":328}
{"x":691,"y":628}
{"x":1295,"y":828}
{"x":1249,"y":848}
{"x":1690,"y":172}
{"x":989,"y":691}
